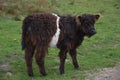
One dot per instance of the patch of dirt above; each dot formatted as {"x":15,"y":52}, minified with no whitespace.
{"x":105,"y":74}
{"x":4,"y":66}
{"x":15,"y":56}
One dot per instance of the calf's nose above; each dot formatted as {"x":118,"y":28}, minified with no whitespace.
{"x":93,"y":31}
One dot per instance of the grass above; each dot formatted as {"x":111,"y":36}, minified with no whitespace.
{"x":102,"y":50}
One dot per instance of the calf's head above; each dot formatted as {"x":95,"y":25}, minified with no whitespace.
{"x":86,"y":23}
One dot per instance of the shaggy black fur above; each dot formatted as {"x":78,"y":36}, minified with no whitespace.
{"x":38,"y":30}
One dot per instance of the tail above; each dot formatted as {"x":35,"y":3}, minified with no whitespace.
{"x":23,"y":44}
{"x":25,"y":26}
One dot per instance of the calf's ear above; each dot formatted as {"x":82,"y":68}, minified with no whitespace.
{"x":78,"y":20}
{"x":97,"y":16}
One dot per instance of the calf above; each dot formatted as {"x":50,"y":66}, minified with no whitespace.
{"x":43,"y":30}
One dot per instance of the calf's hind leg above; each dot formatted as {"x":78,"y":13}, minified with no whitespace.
{"x":39,"y":56}
{"x":29,"y":51}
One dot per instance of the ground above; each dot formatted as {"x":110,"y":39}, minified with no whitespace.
{"x":101,"y":74}
{"x":97,"y":56}
{"x":105,"y":74}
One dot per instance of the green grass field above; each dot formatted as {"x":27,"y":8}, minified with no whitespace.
{"x":99,"y":51}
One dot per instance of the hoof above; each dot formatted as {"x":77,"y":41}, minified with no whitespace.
{"x":76,"y":67}
{"x":62,"y":72}
{"x":30,"y":74}
{"x":44,"y":74}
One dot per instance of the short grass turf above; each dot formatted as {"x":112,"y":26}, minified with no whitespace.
{"x":100,"y":51}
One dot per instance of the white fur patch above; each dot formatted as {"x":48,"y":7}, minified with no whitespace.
{"x":55,"y":38}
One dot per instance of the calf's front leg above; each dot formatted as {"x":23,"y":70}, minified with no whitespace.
{"x":73,"y":54}
{"x":62,"y":55}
